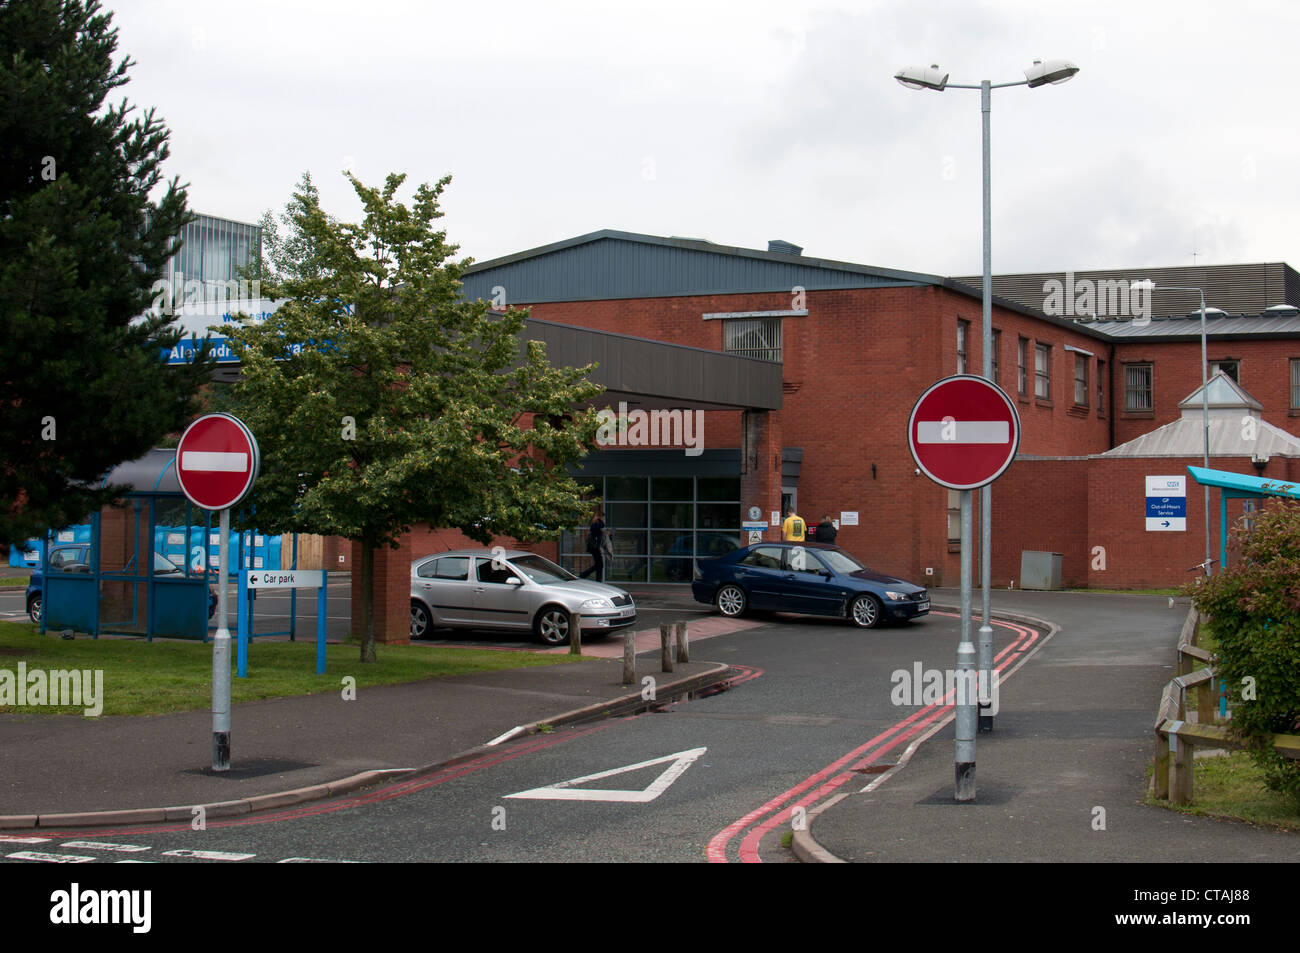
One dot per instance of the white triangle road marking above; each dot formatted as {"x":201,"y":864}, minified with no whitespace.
{"x":566,"y":791}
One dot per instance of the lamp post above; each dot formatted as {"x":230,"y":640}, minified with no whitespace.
{"x":1148,"y":285}
{"x":1039,"y":74}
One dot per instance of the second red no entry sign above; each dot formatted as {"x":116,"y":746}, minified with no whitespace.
{"x":964,"y":432}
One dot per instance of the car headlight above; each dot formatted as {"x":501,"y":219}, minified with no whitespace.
{"x":593,"y":604}
{"x":896,"y":596}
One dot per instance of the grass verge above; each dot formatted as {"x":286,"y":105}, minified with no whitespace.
{"x":1232,"y":787}
{"x":142,"y":678}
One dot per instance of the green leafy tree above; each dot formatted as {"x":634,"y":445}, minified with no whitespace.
{"x":382,"y":399}
{"x":81,"y":246}
{"x":1254,"y":610}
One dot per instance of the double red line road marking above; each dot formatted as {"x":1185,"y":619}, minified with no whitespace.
{"x":818,"y":787}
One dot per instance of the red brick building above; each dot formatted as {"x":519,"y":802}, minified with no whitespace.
{"x":856,"y":347}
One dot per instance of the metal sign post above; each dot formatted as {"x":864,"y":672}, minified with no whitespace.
{"x":217,"y":462}
{"x":964,"y":432}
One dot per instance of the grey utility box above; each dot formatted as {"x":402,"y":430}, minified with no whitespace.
{"x":1040,"y":570}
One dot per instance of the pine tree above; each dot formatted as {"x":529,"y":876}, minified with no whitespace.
{"x":82,"y":382}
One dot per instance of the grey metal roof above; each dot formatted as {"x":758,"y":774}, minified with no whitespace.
{"x":1188,"y":328}
{"x":610,"y":264}
{"x":1241,"y":289}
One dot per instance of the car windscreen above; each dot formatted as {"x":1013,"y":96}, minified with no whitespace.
{"x":541,"y":570}
{"x":164,"y":566}
{"x":839,"y":561}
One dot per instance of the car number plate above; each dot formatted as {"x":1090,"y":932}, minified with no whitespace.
{"x":923,"y":607}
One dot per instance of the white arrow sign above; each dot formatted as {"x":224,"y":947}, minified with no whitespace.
{"x":565,"y":790}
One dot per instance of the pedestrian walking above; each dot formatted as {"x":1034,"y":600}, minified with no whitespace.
{"x":596,"y":547}
{"x":793,"y":530}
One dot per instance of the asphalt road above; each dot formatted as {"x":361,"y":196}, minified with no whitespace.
{"x":814,"y":691}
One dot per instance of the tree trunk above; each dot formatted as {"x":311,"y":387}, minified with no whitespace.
{"x":368,"y":599}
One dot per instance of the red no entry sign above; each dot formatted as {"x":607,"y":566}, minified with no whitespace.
{"x":964,"y":432}
{"x":217,"y":461}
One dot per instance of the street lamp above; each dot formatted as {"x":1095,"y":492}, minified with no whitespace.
{"x":1148,"y":285}
{"x":1040,"y":73}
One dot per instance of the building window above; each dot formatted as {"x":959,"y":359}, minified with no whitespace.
{"x":1043,"y":371}
{"x":1101,"y":388}
{"x":753,"y":337}
{"x":1022,"y":368}
{"x":997,"y":347}
{"x":1295,"y":383}
{"x":963,"y":337}
{"x":954,"y":516}
{"x":1080,"y":380}
{"x":1230,"y":368}
{"x":1137,"y":387}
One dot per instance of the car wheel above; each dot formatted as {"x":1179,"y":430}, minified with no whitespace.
{"x":419,"y":620}
{"x":731,"y":601}
{"x":34,"y":608}
{"x":865,"y":612}
{"x":552,"y":625}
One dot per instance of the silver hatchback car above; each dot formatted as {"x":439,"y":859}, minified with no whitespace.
{"x":509,"y":590}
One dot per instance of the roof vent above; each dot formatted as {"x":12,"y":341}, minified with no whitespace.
{"x":783,"y":247}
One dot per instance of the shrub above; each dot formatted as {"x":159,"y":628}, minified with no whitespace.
{"x":1254,"y":610}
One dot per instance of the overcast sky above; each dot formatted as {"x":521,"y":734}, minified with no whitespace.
{"x":748,"y":121}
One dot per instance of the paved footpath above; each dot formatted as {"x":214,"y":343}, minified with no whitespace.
{"x":1073,"y":738}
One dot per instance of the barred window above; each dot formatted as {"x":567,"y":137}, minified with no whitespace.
{"x":1295,"y":383}
{"x":1137,"y":386}
{"x":1101,"y":388}
{"x":753,"y":337}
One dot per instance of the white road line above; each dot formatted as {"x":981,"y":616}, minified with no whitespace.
{"x":564,"y":790}
{"x":101,"y":845}
{"x":15,"y":839}
{"x":50,"y":858}
{"x":207,"y":854}
{"x":314,"y":860}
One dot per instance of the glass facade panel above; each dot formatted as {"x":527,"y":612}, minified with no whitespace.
{"x":719,"y":488}
{"x":672,"y":488}
{"x":658,"y":535}
{"x":671,"y":514}
{"x":626,"y":488}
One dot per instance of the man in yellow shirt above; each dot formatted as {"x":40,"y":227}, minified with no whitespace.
{"x":793,"y":529}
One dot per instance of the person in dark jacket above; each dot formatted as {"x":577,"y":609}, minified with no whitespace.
{"x":596,"y":547}
{"x":825,"y":531}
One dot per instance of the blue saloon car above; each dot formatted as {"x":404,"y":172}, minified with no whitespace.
{"x":810,"y":578}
